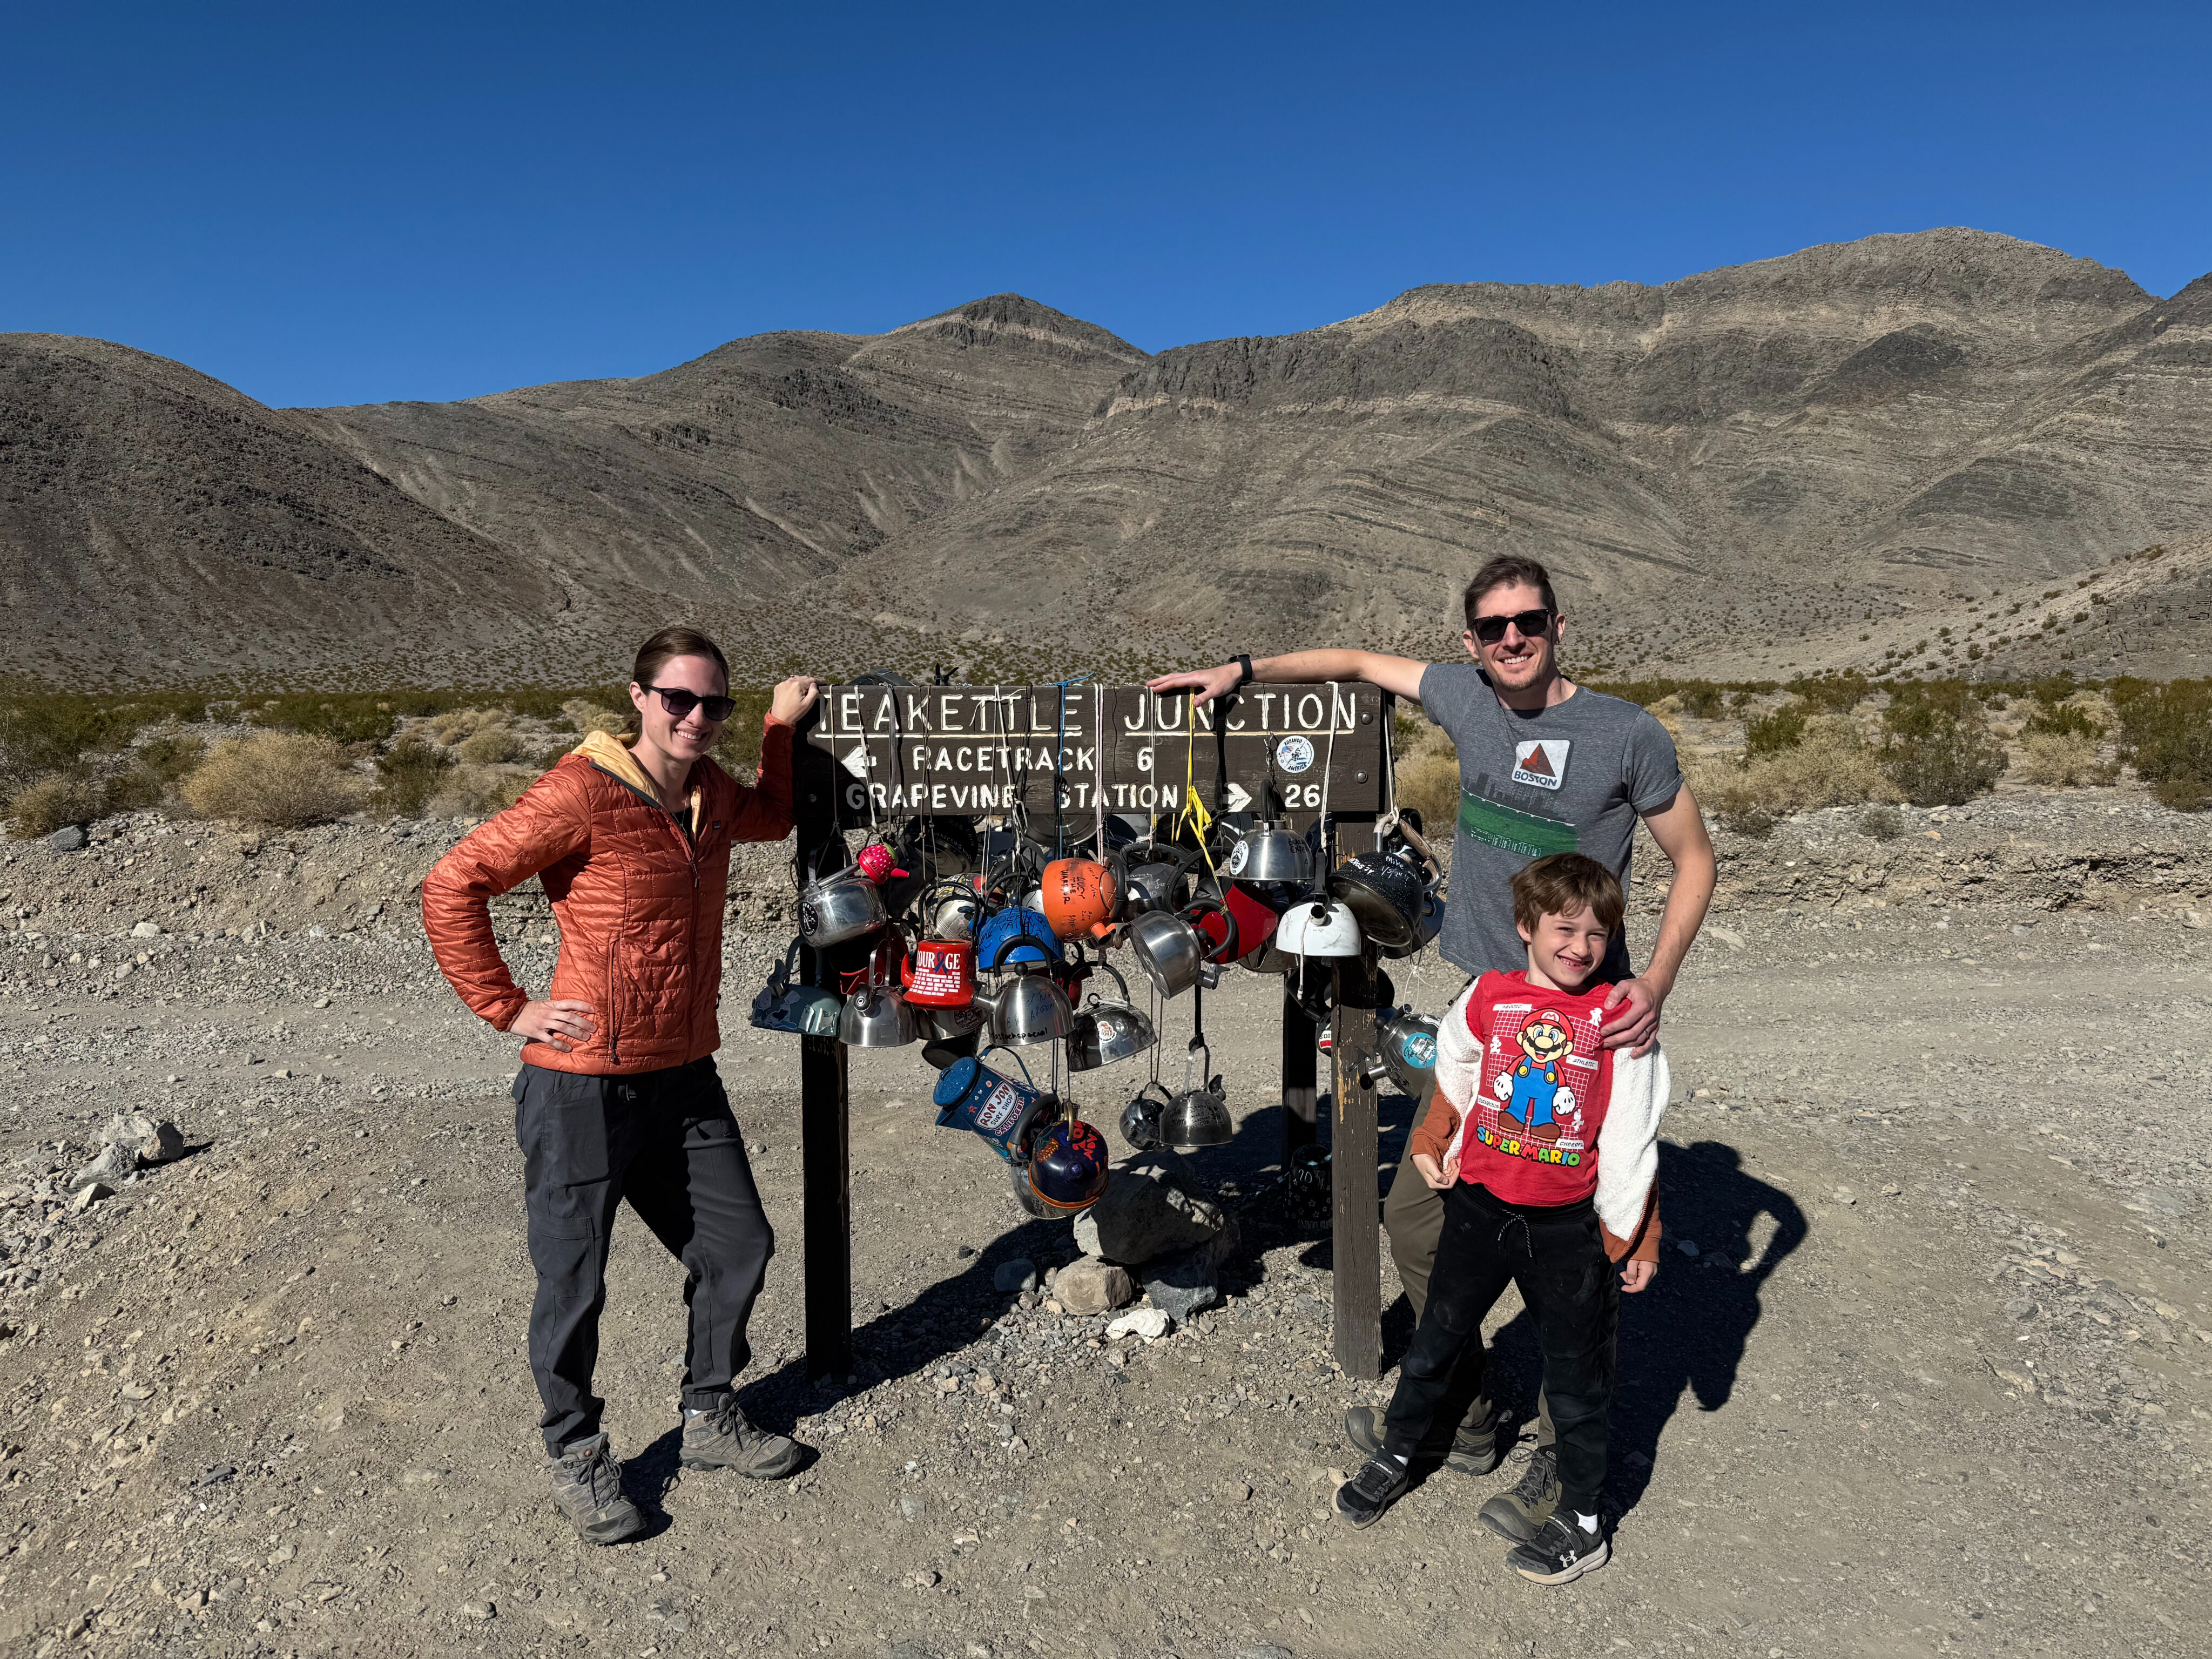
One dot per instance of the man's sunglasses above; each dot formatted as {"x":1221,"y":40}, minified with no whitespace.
{"x":679,"y":703}
{"x":1491,"y":630}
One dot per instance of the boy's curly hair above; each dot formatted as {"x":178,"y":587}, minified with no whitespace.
{"x":1563,"y":884}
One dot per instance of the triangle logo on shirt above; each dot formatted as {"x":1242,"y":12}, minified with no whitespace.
{"x":1541,"y":763}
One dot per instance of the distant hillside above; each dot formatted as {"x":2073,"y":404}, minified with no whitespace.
{"x":1739,"y":472}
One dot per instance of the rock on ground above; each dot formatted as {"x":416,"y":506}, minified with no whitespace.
{"x":1092,"y":1286}
{"x":1153,"y":1205}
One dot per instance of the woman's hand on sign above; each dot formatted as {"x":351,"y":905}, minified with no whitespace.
{"x":793,"y":697}
{"x":1207,"y":683}
{"x":1427,"y":1165}
{"x":559,"y":1024}
{"x":1635,"y":1275}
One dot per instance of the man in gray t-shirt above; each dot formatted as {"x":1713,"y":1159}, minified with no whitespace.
{"x":1545,"y":766}
{"x":1565,"y":777}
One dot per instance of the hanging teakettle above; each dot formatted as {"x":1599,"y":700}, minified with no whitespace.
{"x":1405,"y":1052}
{"x":1081,"y":897}
{"x":842,"y":904}
{"x":1108,"y":1029}
{"x":1174,"y":955}
{"x":1389,"y":890}
{"x":806,"y":1009}
{"x":971,"y":1096}
{"x":1028,"y":1008}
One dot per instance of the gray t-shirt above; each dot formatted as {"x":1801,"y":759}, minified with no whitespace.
{"x":1571,"y":778}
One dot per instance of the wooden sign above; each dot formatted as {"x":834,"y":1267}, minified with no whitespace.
{"x":977,"y":750}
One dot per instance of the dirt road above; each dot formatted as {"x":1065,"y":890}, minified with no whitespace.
{"x":1934,"y":1378}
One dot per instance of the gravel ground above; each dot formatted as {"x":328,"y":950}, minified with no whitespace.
{"x":1925,"y":1368}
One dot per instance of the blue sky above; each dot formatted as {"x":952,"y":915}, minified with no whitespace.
{"x":334,"y":204}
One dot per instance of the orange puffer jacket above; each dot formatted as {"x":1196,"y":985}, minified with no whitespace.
{"x":639,"y":902}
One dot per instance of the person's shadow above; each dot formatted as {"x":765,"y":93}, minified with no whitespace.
{"x":1685,"y":1334}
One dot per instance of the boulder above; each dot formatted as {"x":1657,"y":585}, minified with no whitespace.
{"x":1179,"y":1285}
{"x":146,"y":1139}
{"x":91,"y":1194}
{"x":1153,"y":1206}
{"x":114,"y":1165}
{"x":70,"y":838}
{"x":1092,"y":1286}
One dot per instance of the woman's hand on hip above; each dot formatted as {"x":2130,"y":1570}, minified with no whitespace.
{"x":558,"y":1024}
{"x":793,"y":697}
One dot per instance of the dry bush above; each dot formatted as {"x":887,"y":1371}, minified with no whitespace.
{"x":456,"y":724}
{"x":588,"y":716}
{"x":1881,"y":824}
{"x":1428,"y":782}
{"x":2063,"y":760}
{"x":490,"y":746}
{"x":1830,"y":764}
{"x":408,"y":774}
{"x":285,"y":779}
{"x":477,"y":792}
{"x":53,"y":802}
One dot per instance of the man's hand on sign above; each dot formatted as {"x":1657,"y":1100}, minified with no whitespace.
{"x":1208,"y":682}
{"x":558,"y":1024}
{"x":1635,"y":1275}
{"x":793,"y":698}
{"x":1631,"y":1019}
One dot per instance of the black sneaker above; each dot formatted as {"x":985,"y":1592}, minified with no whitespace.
{"x":1561,"y":1552}
{"x":587,"y":1485}
{"x":1472,"y":1451}
{"x":1520,"y":1514}
{"x":1381,"y":1482}
{"x":723,"y":1437}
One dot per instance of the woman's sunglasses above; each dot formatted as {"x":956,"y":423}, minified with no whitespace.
{"x":1491,"y":630}
{"x":679,"y":703}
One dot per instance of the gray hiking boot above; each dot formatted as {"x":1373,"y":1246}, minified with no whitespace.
{"x":724,"y":1438}
{"x":587,"y":1485}
{"x":1521,"y":1513}
{"x":1474,"y":1450}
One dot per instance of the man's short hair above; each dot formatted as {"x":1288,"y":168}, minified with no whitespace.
{"x":1563,"y":884}
{"x":1508,"y":570}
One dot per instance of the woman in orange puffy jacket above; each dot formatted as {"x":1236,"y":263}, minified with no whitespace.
{"x":618,"y":1098}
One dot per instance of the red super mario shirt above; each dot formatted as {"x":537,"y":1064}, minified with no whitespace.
{"x":1530,"y":1136}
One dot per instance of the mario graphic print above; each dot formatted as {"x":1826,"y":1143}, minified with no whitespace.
{"x":1543,"y":1099}
{"x":1538,"y":1100}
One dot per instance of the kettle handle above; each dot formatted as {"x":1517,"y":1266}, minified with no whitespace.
{"x":1001,"y":1048}
{"x":1420,"y":846}
{"x":1227,"y":952}
{"x":1014,"y":942}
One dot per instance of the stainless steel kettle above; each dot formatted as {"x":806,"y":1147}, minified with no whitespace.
{"x":1028,"y":1008}
{"x":1174,"y":955}
{"x":1405,"y":1052}
{"x":842,"y":905}
{"x":1108,"y":1030}
{"x":876,"y":1017}
{"x":1269,"y":853}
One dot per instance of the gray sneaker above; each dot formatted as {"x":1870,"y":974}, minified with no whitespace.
{"x":1521,"y":1513}
{"x":1473,"y":1450}
{"x":587,"y":1485}
{"x":724,"y":1438}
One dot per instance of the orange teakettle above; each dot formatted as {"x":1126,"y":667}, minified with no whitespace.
{"x":1081,"y":897}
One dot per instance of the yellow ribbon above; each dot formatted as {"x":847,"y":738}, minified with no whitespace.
{"x":1194,"y":811}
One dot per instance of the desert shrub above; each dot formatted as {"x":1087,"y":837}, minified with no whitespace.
{"x":53,"y":730}
{"x":2062,"y":760}
{"x":169,"y":754}
{"x":2166,"y":733}
{"x":1700,"y":701}
{"x":1833,"y":694}
{"x":585,"y":715}
{"x":458,"y":725}
{"x":477,"y":792}
{"x":1771,"y":733}
{"x":1882,"y":823}
{"x":1830,"y":764}
{"x":1936,"y":747}
{"x":348,"y":717}
{"x":490,"y":745}
{"x":1428,"y":782}
{"x":408,"y":774}
{"x":58,"y":800}
{"x":285,"y":779}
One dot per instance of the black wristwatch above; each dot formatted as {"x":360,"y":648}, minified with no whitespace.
{"x":1244,"y":660}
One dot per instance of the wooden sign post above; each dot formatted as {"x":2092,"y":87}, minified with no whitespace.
{"x":875,"y":755}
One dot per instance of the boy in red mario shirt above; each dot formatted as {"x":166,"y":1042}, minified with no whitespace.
{"x":1529,"y":1201}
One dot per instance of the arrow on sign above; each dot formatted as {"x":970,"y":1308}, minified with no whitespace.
{"x":1236,"y":800}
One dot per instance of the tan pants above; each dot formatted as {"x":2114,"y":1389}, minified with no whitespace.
{"x":1414,"y":1215}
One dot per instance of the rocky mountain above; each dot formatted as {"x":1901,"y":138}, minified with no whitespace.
{"x":1742,"y":472}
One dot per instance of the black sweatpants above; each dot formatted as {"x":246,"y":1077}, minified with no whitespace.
{"x":667,"y":1141}
{"x":1557,"y":1257}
